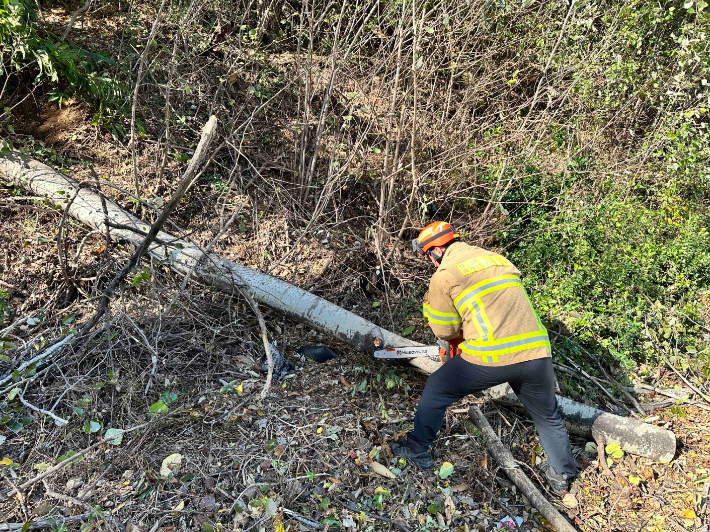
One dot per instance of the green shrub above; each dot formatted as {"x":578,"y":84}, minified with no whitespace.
{"x":620,"y":275}
{"x":68,"y":68}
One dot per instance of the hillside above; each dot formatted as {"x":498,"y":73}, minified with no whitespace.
{"x":572,"y":138}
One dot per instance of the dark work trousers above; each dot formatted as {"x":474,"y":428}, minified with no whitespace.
{"x":532,"y":381}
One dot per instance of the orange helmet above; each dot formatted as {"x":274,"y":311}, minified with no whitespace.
{"x":434,"y":234}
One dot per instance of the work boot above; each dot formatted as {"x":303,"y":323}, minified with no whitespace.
{"x":421,"y":459}
{"x":558,"y":483}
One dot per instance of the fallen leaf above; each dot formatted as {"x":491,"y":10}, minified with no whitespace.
{"x":689,"y":513}
{"x":449,"y":507}
{"x":116,"y":436}
{"x":6,"y":461}
{"x":279,"y":451}
{"x":381,"y":470}
{"x":634,"y":480}
{"x":570,"y":501}
{"x":171,"y":462}
{"x":614,"y":450}
{"x":179,"y":506}
{"x":383,"y":491}
{"x":345,"y":382}
{"x":446,"y":470}
{"x":320,"y":430}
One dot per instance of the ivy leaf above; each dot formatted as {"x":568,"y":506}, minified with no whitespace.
{"x":159,"y":407}
{"x":409,"y":330}
{"x":118,"y":433}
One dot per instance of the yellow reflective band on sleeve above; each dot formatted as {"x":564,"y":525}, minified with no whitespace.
{"x":441,"y":318}
{"x":476,"y":264}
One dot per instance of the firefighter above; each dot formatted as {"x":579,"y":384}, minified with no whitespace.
{"x":477,"y":306}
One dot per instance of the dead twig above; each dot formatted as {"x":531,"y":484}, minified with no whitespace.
{"x":502,"y":454}
{"x":73,"y":18}
{"x":686,"y":381}
{"x":49,"y":522}
{"x":69,"y":460}
{"x":353,"y":508}
{"x":134,"y":105}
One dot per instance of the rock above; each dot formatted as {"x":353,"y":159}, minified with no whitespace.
{"x":85,"y":494}
{"x":74,"y":483}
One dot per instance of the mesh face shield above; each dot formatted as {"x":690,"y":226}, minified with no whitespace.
{"x":416,"y":248}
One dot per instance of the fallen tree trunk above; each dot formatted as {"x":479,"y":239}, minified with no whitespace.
{"x":187,"y":258}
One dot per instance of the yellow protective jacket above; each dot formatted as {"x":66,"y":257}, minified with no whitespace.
{"x":480,"y":292}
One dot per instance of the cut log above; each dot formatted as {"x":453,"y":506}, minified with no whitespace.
{"x":633,"y":436}
{"x":503,"y":456}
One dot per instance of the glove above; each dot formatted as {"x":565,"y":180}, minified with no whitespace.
{"x":449,"y":348}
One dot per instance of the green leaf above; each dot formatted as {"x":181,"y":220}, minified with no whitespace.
{"x":447,"y":468}
{"x":429,"y":29}
{"x":702,"y":4}
{"x":614,"y":450}
{"x":66,"y":456}
{"x":13,"y":393}
{"x":407,"y":331}
{"x":118,"y":433}
{"x":92,"y":426}
{"x":159,"y":407}
{"x":207,"y":527}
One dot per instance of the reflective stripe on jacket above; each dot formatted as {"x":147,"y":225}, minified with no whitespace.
{"x":481,"y":292}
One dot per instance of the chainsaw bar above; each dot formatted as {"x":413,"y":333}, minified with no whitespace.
{"x":409,"y":352}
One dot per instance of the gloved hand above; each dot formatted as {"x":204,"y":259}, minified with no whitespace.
{"x":450,"y":348}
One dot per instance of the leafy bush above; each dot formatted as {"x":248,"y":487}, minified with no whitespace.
{"x":619,"y":274}
{"x":68,"y":68}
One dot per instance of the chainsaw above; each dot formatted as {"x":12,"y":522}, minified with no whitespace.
{"x":443,"y":352}
{"x":428,"y":351}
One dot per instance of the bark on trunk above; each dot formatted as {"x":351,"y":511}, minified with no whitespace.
{"x":634,"y":436}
